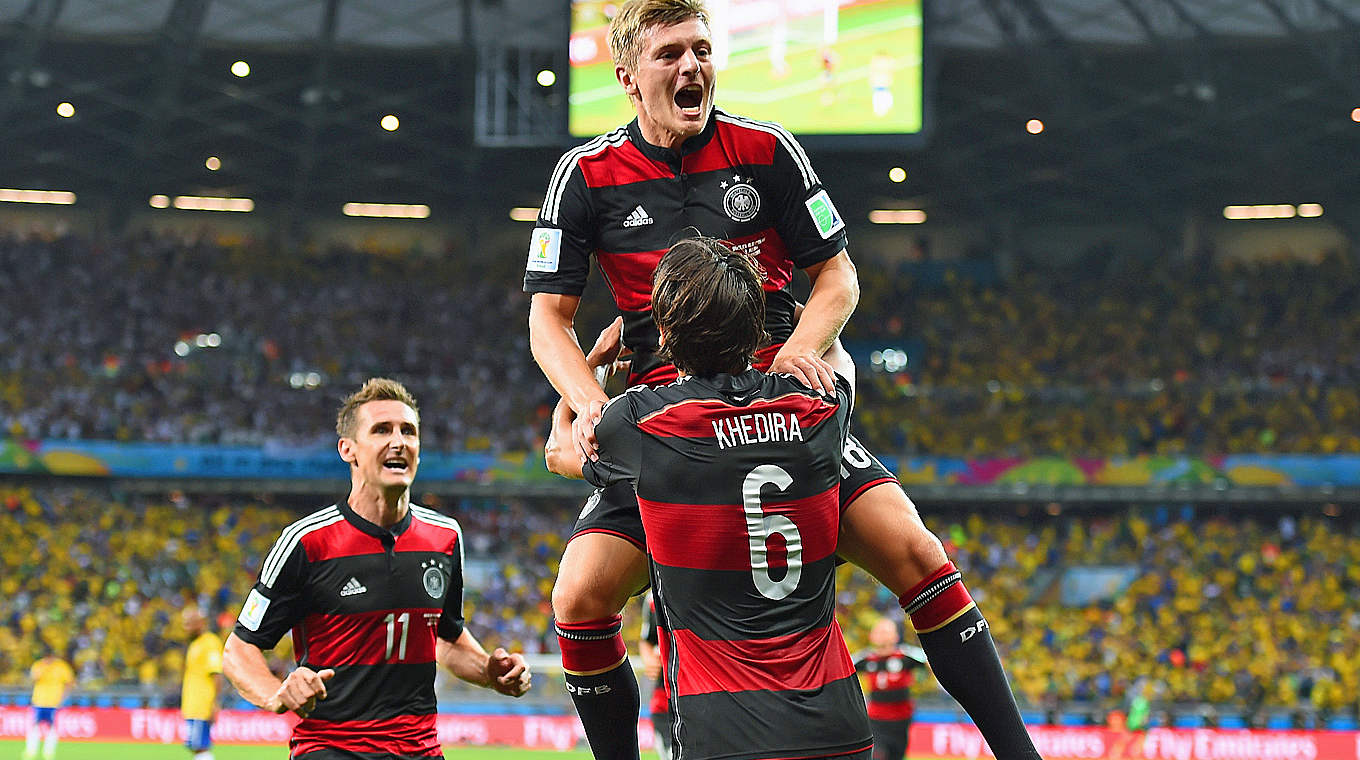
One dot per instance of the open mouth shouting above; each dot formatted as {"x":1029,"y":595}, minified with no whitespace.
{"x":690,"y":100}
{"x":397,"y":464}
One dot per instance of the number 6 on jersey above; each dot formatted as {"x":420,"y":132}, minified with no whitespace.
{"x":759,"y":528}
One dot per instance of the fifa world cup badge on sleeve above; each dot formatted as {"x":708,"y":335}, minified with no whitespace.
{"x":544,"y":248}
{"x":252,"y":614}
{"x":824,"y":215}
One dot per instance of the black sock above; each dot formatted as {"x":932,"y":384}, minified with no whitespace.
{"x":963,"y":657}
{"x":608,"y":705}
{"x":602,"y":686}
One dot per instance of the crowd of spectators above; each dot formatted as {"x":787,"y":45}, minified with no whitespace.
{"x":1254,"y":612}
{"x":153,"y":337}
{"x":101,"y":578}
{"x":1156,"y":357}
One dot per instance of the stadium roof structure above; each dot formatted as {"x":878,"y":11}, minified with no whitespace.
{"x":1150,"y":106}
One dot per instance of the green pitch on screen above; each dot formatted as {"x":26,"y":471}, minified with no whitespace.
{"x":878,"y":42}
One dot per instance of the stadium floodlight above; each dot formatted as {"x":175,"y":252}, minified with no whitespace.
{"x":1355,"y":114}
{"x":1310,"y":210}
{"x":212,"y":203}
{"x":1264,"y":211}
{"x":54,"y":197}
{"x":213,"y":163}
{"x":547,"y":78}
{"x":159,"y":201}
{"x":524,"y":214}
{"x":897,"y":174}
{"x":1034,"y":126}
{"x":241,"y":69}
{"x":387,"y":210}
{"x":897,"y":216}
{"x":65,"y":110}
{"x":390,"y":123}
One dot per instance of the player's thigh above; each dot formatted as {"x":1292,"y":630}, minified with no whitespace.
{"x":604,"y":562}
{"x":881,"y":531}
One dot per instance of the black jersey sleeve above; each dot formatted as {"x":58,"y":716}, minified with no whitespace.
{"x":559,"y":250}
{"x":451,"y":621}
{"x":620,"y":445}
{"x":808,"y":222}
{"x":277,"y":602}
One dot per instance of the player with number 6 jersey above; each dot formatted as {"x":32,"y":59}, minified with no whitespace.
{"x":737,"y":476}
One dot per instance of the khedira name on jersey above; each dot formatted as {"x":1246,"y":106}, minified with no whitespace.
{"x":757,"y":427}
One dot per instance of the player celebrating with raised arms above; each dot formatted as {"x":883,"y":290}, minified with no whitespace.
{"x":624,"y":198}
{"x":372,"y":588}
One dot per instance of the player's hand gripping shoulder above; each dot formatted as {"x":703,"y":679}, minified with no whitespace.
{"x":300,"y":691}
{"x":508,"y":673}
{"x":812,"y":371}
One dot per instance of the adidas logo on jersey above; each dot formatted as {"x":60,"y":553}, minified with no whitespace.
{"x":352,"y":587}
{"x":637,"y":218}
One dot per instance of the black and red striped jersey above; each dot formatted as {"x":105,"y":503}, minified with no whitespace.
{"x":626,"y":201}
{"x":370,"y":603}
{"x":889,"y":677}
{"x":737,"y":480}
{"x":653,"y":633}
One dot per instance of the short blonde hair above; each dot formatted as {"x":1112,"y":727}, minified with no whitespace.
{"x":636,"y":16}
{"x":374,"y":389}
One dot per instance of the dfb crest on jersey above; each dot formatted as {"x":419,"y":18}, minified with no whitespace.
{"x":434,"y":580}
{"x":591,"y":503}
{"x":741,"y":202}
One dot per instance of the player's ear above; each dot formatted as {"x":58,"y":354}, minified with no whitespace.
{"x":346,"y":448}
{"x":627,"y":80}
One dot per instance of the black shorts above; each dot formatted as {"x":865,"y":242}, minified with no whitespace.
{"x":614,"y":510}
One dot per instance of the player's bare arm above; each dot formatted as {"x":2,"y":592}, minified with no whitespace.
{"x":552,"y":339}
{"x":834,"y":295}
{"x":500,"y":671}
{"x":244,"y":665}
{"x":565,"y":450}
{"x":560,"y":453}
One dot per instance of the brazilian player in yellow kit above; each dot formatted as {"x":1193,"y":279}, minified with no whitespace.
{"x":52,"y":680}
{"x":202,"y":683}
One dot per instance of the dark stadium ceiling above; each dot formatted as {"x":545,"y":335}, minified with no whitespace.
{"x":1152,"y":107}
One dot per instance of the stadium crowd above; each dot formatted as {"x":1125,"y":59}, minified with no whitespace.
{"x":1142,"y":358}
{"x":1251,"y":612}
{"x":113,"y":351}
{"x":1222,"y":608}
{"x":1129,"y":360}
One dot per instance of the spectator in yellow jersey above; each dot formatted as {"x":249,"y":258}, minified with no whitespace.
{"x":52,"y":680}
{"x":202,"y":683}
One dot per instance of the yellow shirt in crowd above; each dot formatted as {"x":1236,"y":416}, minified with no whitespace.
{"x":51,"y":677}
{"x":202,"y":663}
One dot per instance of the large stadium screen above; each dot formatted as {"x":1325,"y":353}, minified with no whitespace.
{"x":819,"y":67}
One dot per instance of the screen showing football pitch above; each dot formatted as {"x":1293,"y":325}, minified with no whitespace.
{"x":818,"y":67}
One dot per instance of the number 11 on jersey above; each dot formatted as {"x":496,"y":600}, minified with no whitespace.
{"x":393,"y":622}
